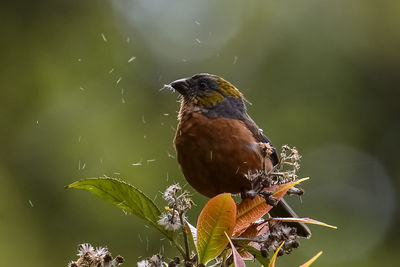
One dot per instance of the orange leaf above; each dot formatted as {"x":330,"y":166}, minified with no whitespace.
{"x":252,"y":231}
{"x":304,"y":220}
{"x":245,"y":254}
{"x":218,"y":216}
{"x":308,"y":263}
{"x":256,"y":229}
{"x":285,"y":187}
{"x":250,"y":210}
{"x":237,"y":259}
{"x":272,"y":262}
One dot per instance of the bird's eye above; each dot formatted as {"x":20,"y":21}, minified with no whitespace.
{"x":203,"y":85}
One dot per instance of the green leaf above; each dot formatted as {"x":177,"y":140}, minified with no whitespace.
{"x":125,"y":197}
{"x":257,"y":254}
{"x":217,"y":217}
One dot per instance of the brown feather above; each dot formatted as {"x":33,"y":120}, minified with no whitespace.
{"x":216,"y":154}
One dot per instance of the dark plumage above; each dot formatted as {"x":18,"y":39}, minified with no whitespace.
{"x":217,"y":142}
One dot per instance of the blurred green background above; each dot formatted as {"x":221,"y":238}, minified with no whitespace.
{"x":321,"y":75}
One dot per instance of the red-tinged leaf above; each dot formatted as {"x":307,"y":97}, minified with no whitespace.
{"x":304,"y":220}
{"x":308,"y":263}
{"x":287,"y":186}
{"x":237,"y":259}
{"x":272,"y":262}
{"x":256,"y":229}
{"x":218,"y":216}
{"x":246,"y":255}
{"x":250,"y":210}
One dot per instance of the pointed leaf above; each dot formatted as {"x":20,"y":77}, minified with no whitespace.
{"x":287,"y":186}
{"x":218,"y":216}
{"x":125,"y":197}
{"x":308,"y":263}
{"x":303,"y":220}
{"x":250,"y":210}
{"x":237,"y":259}
{"x":272,"y":263}
{"x":192,"y":232}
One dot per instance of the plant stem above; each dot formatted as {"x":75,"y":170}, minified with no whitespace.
{"x":179,"y":248}
{"x":187,"y":258}
{"x":244,"y":239}
{"x":171,"y":239}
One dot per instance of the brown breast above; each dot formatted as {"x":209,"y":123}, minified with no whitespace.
{"x":215,"y":154}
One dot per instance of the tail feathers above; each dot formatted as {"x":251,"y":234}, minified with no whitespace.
{"x":282,"y":209}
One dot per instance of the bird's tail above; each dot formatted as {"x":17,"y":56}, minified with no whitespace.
{"x":282,"y":209}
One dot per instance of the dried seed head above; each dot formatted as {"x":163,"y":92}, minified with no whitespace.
{"x":107,"y":258}
{"x":264,"y":251}
{"x":177,"y":200}
{"x":101,"y":252}
{"x":156,"y":260}
{"x":144,"y":263}
{"x":175,"y":261}
{"x":90,"y":257}
{"x":283,"y":172}
{"x":184,"y":203}
{"x":153,"y":261}
{"x":170,"y":221}
{"x":171,"y":192}
{"x":83,"y":249}
{"x":278,"y":233}
{"x":119,"y":259}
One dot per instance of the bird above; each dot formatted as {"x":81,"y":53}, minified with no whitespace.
{"x":218,"y":143}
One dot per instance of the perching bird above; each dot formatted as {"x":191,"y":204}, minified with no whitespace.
{"x":217,"y":143}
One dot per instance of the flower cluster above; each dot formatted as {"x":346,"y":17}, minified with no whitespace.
{"x":284,"y":171}
{"x":179,"y":203}
{"x":170,"y":221}
{"x":177,"y":200}
{"x":153,"y":261}
{"x":288,"y":164}
{"x":278,"y":233}
{"x":99,"y":257}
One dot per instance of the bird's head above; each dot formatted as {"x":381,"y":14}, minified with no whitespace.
{"x":206,"y":90}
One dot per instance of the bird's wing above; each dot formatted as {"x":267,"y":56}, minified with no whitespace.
{"x":260,"y":137}
{"x":282,"y":209}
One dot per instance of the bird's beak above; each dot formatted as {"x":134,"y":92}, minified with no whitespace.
{"x":181,"y":85}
